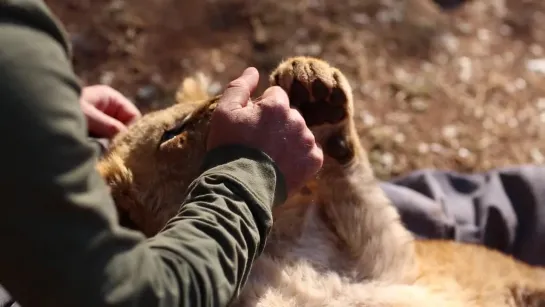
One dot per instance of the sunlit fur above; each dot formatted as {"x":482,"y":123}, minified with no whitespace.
{"x":339,"y":242}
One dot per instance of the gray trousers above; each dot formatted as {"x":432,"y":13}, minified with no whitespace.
{"x":503,"y":209}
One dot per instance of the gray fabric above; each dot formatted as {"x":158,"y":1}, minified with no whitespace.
{"x":503,"y":209}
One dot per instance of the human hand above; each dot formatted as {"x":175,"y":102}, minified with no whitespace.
{"x":107,"y":111}
{"x":267,"y":124}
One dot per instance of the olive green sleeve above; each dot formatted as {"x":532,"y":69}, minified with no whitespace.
{"x":61,"y":244}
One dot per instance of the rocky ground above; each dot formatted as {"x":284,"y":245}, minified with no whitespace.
{"x":463,"y":90}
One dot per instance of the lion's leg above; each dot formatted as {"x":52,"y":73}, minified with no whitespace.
{"x":351,"y":200}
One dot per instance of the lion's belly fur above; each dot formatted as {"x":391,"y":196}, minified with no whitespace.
{"x":310,"y":268}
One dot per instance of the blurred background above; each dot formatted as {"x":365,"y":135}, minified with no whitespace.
{"x":461,"y":89}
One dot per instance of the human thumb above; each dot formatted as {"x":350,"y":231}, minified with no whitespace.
{"x":239,"y":90}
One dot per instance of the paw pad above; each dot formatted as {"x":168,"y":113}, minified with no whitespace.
{"x":316,"y":89}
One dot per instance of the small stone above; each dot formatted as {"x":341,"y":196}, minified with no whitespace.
{"x":402,"y":75}
{"x":157,"y":78}
{"x":536,"y":65}
{"x":505,"y":30}
{"x":540,"y":103}
{"x":387,"y":159}
{"x":399,"y":138}
{"x":131,"y":33}
{"x":398,"y":118}
{"x":478,"y":112}
{"x":484,"y":142}
{"x":537,"y":156}
{"x":450,"y":132}
{"x":147,"y":93}
{"x":464,"y":27}
{"x":382,"y":134}
{"x":542,"y":117}
{"x":214,"y":88}
{"x":361,"y":19}
{"x":380,"y":62}
{"x":301,"y":33}
{"x":501,"y":118}
{"x":463,"y":153}
{"x":500,"y":8}
{"x":520,"y":84}
{"x":423,"y":148}
{"x":314,"y":49}
{"x":81,"y":43}
{"x":427,"y":66}
{"x":107,"y":77}
{"x":116,"y":5}
{"x":483,"y":35}
{"x":442,"y":59}
{"x":512,"y":122}
{"x":367,"y":119}
{"x":509,"y":57}
{"x":488,"y":124}
{"x":384,"y":17}
{"x":436,"y":148}
{"x":536,"y":49}
{"x":466,"y":69}
{"x":419,"y":105}
{"x":450,"y":42}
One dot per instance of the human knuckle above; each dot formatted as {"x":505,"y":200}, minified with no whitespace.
{"x":309,"y":138}
{"x":237,"y":83}
{"x":316,"y":159}
{"x":278,"y":92}
{"x":297,"y":120}
{"x":273,"y":106}
{"x":302,"y":134}
{"x":112,"y":128}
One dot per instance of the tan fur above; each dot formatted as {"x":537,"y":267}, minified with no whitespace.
{"x":339,"y":242}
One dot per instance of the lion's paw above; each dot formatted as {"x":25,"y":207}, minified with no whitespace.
{"x":320,"y":92}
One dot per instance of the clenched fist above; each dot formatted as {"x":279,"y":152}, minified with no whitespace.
{"x":267,"y":124}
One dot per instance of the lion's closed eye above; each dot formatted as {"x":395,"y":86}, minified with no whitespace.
{"x":172,"y":133}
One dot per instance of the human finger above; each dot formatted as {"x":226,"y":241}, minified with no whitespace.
{"x":111,"y":102}
{"x":316,"y":159}
{"x":125,"y":111}
{"x":101,"y":124}
{"x":275,"y":96}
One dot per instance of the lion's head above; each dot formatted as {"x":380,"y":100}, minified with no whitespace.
{"x":149,"y":167}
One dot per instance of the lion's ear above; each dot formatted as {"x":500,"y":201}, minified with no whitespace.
{"x":193,"y":90}
{"x":117,"y":176}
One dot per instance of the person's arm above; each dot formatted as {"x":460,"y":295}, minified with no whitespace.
{"x":61,"y":245}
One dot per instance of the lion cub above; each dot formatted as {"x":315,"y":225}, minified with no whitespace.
{"x":339,"y":242}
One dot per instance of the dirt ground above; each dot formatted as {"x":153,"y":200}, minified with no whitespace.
{"x":447,"y":90}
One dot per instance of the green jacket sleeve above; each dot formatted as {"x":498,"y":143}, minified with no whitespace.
{"x":61,"y":244}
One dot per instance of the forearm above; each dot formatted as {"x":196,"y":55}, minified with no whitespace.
{"x":58,"y":222}
{"x":222,"y":227}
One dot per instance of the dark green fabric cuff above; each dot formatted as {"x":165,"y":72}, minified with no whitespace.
{"x":252,"y":168}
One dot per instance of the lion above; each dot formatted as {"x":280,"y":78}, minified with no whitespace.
{"x":338,"y":241}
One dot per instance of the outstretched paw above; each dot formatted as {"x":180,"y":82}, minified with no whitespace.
{"x":323,"y":96}
{"x":320,"y":92}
